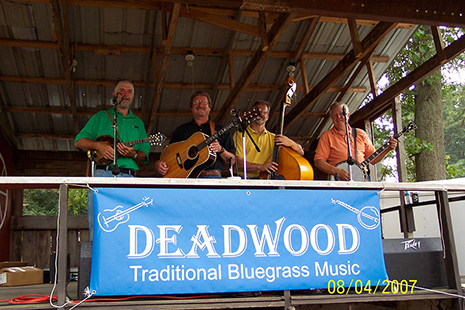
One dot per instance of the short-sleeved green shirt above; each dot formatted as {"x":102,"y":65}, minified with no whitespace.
{"x":130,"y":128}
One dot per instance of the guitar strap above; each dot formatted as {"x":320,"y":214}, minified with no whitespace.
{"x":113,"y":122}
{"x":354,"y":134}
{"x":212,"y":127}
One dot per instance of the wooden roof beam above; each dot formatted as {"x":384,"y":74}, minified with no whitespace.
{"x":372,"y":78}
{"x":220,"y":21}
{"x":151,"y":61}
{"x":174,"y":15}
{"x":439,"y":44}
{"x":169,"y":85}
{"x":382,"y":103}
{"x":296,"y":58}
{"x":255,"y":63}
{"x":344,"y":91}
{"x":226,"y":61}
{"x":368,"y":44}
{"x":60,"y":22}
{"x":357,"y":45}
{"x":421,"y":12}
{"x":175,"y":50}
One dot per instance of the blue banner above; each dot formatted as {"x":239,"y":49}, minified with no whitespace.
{"x":181,"y":241}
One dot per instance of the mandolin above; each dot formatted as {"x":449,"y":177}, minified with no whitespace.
{"x":156,"y":139}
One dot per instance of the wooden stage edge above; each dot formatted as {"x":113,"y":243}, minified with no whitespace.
{"x":320,"y":299}
{"x":55,"y":182}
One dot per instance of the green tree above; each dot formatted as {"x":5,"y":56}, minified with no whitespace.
{"x":45,"y":202}
{"x":426,"y":147}
{"x":40,"y":202}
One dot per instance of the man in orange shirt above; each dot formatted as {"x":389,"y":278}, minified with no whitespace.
{"x":332,"y":147}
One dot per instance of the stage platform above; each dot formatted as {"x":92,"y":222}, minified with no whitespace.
{"x":442,"y":298}
{"x":318,"y":299}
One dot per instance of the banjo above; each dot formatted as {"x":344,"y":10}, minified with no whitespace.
{"x":360,"y":171}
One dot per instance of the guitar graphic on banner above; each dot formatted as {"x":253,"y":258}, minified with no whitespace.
{"x":109,"y":219}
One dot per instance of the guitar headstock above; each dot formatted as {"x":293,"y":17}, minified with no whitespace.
{"x":146,"y":202}
{"x":292,"y":87}
{"x":251,"y":115}
{"x":157,"y":139}
{"x":411,"y":126}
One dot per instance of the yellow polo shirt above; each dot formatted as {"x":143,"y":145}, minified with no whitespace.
{"x":265,"y":142}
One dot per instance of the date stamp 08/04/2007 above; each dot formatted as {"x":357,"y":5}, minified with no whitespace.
{"x":359,"y":287}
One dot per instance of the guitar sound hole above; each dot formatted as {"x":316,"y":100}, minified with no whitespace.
{"x":192,"y":152}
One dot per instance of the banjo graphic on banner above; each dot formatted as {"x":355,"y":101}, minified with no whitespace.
{"x":175,"y":241}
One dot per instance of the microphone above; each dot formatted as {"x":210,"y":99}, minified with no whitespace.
{"x":228,"y":159}
{"x":114,"y":100}
{"x":234,"y":112}
{"x":344,"y":111}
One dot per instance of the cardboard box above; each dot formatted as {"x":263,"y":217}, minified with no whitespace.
{"x":13,"y":264}
{"x":14,"y":276}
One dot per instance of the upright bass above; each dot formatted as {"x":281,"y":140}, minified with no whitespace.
{"x":291,"y":165}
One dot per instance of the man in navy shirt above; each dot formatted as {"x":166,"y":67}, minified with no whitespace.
{"x":201,"y":104}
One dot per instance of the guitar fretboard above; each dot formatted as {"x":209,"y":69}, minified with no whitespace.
{"x":368,"y":160}
{"x":222,"y":131}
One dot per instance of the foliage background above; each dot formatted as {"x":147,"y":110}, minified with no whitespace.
{"x":45,"y":202}
{"x":419,"y":49}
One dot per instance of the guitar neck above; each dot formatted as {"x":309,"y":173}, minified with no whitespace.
{"x":132,"y":143}
{"x":215,"y":136}
{"x":380,"y":150}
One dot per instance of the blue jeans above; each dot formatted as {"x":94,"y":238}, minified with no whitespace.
{"x":210,"y":177}
{"x":99,"y":173}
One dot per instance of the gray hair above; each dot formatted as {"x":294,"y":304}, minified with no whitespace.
{"x":338,"y":104}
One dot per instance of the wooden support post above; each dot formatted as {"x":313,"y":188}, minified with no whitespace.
{"x":450,"y":253}
{"x":232,"y":82}
{"x":356,"y":43}
{"x":303,"y":73}
{"x":287,"y":300}
{"x":407,"y":222}
{"x":369,"y":131}
{"x":62,"y":243}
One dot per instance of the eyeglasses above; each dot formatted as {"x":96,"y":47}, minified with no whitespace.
{"x":203,"y":102}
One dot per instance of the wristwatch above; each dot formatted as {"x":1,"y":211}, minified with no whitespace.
{"x":135,"y":156}
{"x":222,"y":150}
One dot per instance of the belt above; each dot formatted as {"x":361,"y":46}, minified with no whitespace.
{"x":207,"y":173}
{"x":121,"y":170}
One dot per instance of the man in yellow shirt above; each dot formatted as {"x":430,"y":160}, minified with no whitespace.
{"x":265,"y":140}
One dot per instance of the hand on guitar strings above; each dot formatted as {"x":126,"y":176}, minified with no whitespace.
{"x":105,"y":150}
{"x":215,"y":146}
{"x":392,"y":143}
{"x":342,"y":174}
{"x":161,"y":167}
{"x":125,"y":151}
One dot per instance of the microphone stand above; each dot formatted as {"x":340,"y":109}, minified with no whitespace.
{"x":243,"y":129}
{"x":115,"y":169}
{"x":350,"y":159}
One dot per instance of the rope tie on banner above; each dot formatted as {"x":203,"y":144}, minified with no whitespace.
{"x":88,"y":295}
{"x":85,"y":186}
{"x":424,"y":289}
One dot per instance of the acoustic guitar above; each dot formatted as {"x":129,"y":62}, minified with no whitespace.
{"x":291,"y":165}
{"x":188,"y":158}
{"x":360,"y":171}
{"x":156,"y":139}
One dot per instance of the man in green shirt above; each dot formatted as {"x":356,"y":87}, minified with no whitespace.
{"x":130,"y":128}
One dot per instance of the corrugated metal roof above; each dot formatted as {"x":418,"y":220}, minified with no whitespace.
{"x":108,"y":29}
